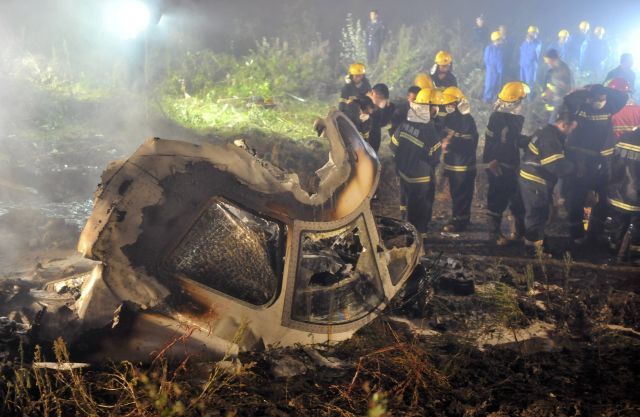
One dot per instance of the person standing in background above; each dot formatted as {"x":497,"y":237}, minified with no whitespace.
{"x":557,"y":84}
{"x":563,"y":45}
{"x":494,"y":67}
{"x":530,"y":51}
{"x":375,"y":37}
{"x":480,"y":31}
{"x":593,"y":55}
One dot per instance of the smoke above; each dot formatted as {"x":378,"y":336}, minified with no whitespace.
{"x":73,"y":97}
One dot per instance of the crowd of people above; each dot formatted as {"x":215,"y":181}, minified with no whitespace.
{"x":590,"y":145}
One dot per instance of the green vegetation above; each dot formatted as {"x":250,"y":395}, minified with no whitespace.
{"x":57,"y":77}
{"x":287,"y":118}
{"x":277,"y":87}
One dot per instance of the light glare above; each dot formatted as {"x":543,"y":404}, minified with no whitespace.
{"x":127,"y":18}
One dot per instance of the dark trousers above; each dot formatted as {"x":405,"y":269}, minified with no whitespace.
{"x":575,"y":194}
{"x":461,"y":186}
{"x":504,"y":192}
{"x":419,"y":204}
{"x":537,"y":199}
{"x":620,"y":224}
{"x":373,"y":52}
{"x":403,"y":198}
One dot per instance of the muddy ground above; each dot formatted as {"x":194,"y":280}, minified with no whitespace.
{"x":536,"y":337}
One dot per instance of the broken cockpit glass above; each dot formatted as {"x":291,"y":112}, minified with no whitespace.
{"x":338,"y":280}
{"x":234,"y":252}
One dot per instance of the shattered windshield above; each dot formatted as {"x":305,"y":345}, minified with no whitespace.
{"x":233,"y":251}
{"x":396,"y":236}
{"x":337,"y":279}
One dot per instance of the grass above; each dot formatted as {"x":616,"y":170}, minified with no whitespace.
{"x":203,"y":115}
{"x":128,"y":389}
{"x":501,"y":301}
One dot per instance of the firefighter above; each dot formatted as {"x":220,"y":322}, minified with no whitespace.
{"x":381,"y":116}
{"x":359,"y":111}
{"x":624,"y":70}
{"x":627,"y":119}
{"x":558,"y":83}
{"x":623,"y":196}
{"x":402,"y":108}
{"x":459,"y":149}
{"x":422,"y":80}
{"x":503,"y":140}
{"x":530,"y":50}
{"x":375,"y":37}
{"x":441,"y":73}
{"x":356,"y":85}
{"x":563,"y":45}
{"x":416,"y":148}
{"x":400,"y":115}
{"x":594,"y":106}
{"x":543,"y":163}
{"x":593,"y":54}
{"x":494,"y":65}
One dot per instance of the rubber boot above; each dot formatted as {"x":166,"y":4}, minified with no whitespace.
{"x":495,"y":235}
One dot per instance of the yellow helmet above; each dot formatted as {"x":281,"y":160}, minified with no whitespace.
{"x":533,"y":29}
{"x":423,"y":80}
{"x":356,"y":69}
{"x":439,"y":98}
{"x":454,"y":92}
{"x":423,"y":96}
{"x":514,"y":91}
{"x":495,"y":36}
{"x":598,"y":31}
{"x":584,"y":26}
{"x":564,"y":33}
{"x":443,"y":58}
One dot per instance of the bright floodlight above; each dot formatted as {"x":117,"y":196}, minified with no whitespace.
{"x":127,"y":18}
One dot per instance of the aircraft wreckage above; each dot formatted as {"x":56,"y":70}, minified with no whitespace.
{"x":211,"y":242}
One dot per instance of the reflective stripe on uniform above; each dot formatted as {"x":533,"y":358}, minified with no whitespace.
{"x":551,"y":158}
{"x":624,"y":128}
{"x":597,"y":117}
{"x":628,"y":146}
{"x":607,"y":152}
{"x":533,"y":149}
{"x":394,"y":140}
{"x":416,"y":180}
{"x":412,"y":139}
{"x":435,"y":148}
{"x":458,"y":168}
{"x":624,"y":206}
{"x":531,"y":177}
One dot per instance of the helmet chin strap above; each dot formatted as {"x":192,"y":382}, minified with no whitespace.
{"x":505,"y":107}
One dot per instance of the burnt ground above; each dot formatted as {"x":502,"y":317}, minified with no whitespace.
{"x":537,"y":337}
